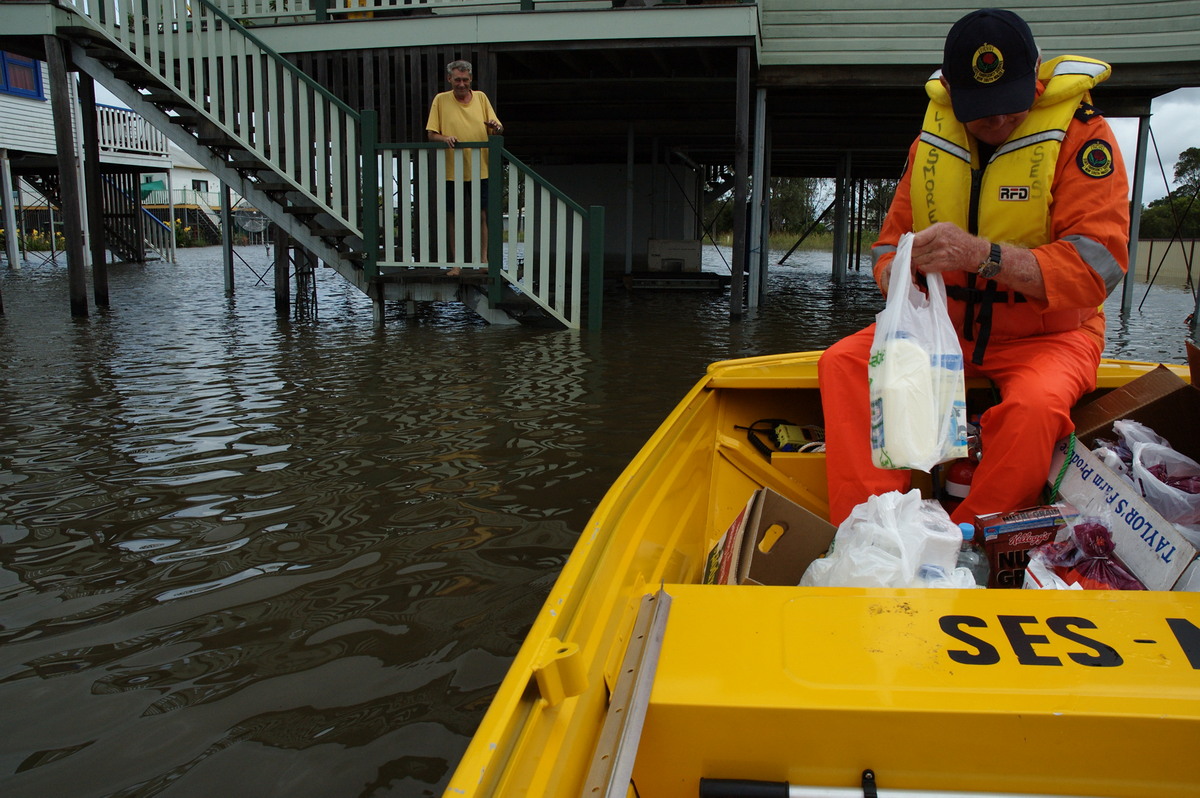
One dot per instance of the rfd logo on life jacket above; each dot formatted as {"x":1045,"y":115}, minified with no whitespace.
{"x":1014,"y":193}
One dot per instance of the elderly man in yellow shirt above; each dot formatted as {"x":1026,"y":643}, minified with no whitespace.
{"x":463,"y":114}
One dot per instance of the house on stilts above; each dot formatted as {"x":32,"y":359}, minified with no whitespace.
{"x":619,"y":115}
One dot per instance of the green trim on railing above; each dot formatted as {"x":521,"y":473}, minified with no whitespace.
{"x":575,"y":206}
{"x":495,"y":213}
{"x":526,"y":5}
{"x":368,"y":127}
{"x":286,"y":64}
{"x":321,"y":10}
{"x":595,"y":265}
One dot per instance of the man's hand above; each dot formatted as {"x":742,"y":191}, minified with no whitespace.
{"x":946,"y":247}
{"x":494,"y":127}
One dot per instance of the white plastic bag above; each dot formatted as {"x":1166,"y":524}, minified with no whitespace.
{"x":885,"y":542}
{"x":1177,"y":506}
{"x":918,"y":391}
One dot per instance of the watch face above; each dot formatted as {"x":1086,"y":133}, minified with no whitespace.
{"x":991,"y":267}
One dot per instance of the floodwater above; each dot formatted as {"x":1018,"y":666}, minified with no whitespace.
{"x":249,"y":556}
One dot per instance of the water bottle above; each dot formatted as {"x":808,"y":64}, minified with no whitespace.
{"x":971,"y":556}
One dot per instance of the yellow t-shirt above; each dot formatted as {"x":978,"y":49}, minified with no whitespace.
{"x":466,"y":123}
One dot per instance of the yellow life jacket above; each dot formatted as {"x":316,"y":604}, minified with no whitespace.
{"x":1014,"y":190}
{"x":1007,"y":200}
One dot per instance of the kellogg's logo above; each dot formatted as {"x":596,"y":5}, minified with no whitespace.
{"x":1030,"y":539}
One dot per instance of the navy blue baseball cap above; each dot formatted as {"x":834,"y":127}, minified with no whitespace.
{"x":990,"y":62}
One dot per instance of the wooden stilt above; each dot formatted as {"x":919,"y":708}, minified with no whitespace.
{"x":283,"y":243}
{"x":227,"y":238}
{"x":91,"y":187}
{"x":68,"y":178}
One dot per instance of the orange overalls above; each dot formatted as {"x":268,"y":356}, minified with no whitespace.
{"x":1040,"y":354}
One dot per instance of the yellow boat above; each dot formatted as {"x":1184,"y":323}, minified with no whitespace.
{"x":638,"y":680}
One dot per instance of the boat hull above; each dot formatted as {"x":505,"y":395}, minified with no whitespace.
{"x":1095,"y":694}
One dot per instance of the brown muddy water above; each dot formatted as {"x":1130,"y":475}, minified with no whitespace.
{"x":244,"y":556}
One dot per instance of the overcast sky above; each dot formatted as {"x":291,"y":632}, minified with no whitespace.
{"x":1173,"y":123}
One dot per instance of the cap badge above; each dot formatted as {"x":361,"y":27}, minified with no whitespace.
{"x":987,"y":65}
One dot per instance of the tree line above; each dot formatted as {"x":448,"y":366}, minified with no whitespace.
{"x":1176,"y":215}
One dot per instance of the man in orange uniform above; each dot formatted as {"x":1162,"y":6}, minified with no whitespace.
{"x":1017,"y":195}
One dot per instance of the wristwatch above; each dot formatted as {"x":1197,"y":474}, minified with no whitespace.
{"x":991,"y":267}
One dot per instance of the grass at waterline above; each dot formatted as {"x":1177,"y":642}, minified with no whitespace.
{"x":820,"y":242}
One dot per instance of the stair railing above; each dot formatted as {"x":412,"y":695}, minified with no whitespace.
{"x":128,"y":226}
{"x":550,"y":248}
{"x":261,"y":101}
{"x":158,"y":236}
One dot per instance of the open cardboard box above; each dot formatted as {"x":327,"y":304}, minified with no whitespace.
{"x":1149,"y":545}
{"x":771,"y":542}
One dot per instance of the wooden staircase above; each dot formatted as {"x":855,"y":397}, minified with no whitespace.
{"x":245,"y":113}
{"x":315,"y":166}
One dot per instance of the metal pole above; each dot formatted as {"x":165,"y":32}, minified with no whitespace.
{"x":171,"y":207}
{"x":68,"y":178}
{"x":757,"y":197}
{"x":629,"y":201}
{"x":740,"y":165}
{"x":10,"y":211}
{"x":839,"y":220}
{"x":1135,"y":214}
{"x":766,"y":209}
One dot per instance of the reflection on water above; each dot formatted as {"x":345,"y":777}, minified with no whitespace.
{"x":249,"y":556}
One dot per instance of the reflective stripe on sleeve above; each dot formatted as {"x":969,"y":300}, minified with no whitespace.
{"x":1101,"y":261}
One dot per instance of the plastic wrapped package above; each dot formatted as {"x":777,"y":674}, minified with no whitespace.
{"x":1084,"y":557}
{"x":1170,"y":482}
{"x":886,"y":542}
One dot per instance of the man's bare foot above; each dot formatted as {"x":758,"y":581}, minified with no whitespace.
{"x":454,"y":272}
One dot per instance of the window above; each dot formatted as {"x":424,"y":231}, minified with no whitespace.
{"x":20,"y":76}
{"x":200,"y":185}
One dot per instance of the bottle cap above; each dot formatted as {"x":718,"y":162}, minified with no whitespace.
{"x":968,"y":531}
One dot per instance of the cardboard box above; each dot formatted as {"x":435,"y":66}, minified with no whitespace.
{"x":797,"y":537}
{"x":1159,"y":399}
{"x":666,"y":255}
{"x":1009,"y":537}
{"x":1150,"y":546}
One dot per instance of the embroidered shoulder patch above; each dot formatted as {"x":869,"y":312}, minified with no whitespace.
{"x":1095,"y":158}
{"x":1087,"y":112}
